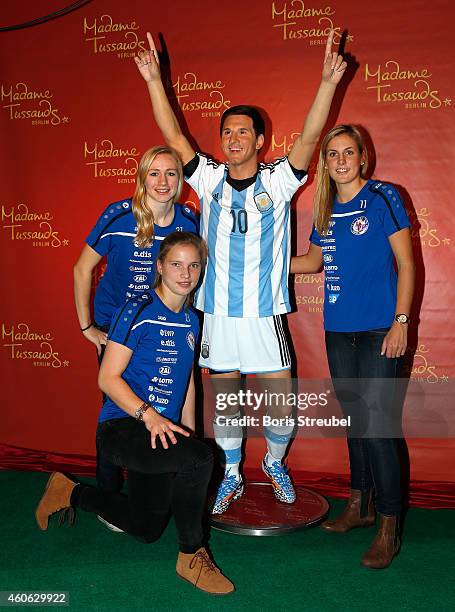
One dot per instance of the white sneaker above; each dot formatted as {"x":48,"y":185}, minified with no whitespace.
{"x":109,"y":525}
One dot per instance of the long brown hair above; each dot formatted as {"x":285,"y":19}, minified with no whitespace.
{"x":325,"y":186}
{"x":144,"y":216}
{"x":174,"y":239}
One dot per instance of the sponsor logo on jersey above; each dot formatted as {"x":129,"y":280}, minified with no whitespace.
{"x":205,"y":350}
{"x":263,"y":202}
{"x":164,"y":370}
{"x":333,"y":298}
{"x":190,"y":340}
{"x":359,"y":226}
{"x":328,"y":258}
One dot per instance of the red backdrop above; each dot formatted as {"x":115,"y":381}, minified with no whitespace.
{"x":75,"y":119}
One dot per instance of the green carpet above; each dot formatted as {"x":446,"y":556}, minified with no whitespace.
{"x":308,"y":570}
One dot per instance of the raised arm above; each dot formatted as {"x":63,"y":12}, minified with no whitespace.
{"x":305,"y":144}
{"x":148,"y":65}
{"x":310,"y":263}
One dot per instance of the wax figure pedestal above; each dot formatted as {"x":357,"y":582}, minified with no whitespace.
{"x":258,"y":513}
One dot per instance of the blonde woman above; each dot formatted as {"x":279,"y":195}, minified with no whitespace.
{"x":129,"y":233}
{"x":360,"y":232}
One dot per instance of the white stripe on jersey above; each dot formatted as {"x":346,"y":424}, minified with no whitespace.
{"x":117,"y":234}
{"x":348,"y":214}
{"x":166,"y":323}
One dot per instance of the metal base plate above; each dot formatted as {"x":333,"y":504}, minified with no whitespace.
{"x":259,"y":513}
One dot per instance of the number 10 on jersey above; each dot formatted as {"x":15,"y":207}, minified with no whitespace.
{"x":239,"y":220}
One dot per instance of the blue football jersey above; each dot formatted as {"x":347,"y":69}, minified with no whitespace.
{"x":248,"y":237}
{"x":360,"y":289}
{"x":130,"y":269}
{"x":163,"y":343}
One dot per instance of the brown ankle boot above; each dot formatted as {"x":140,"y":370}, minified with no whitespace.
{"x":359,"y":512}
{"x":56,"y":496}
{"x":200,"y":570}
{"x":385,"y":545}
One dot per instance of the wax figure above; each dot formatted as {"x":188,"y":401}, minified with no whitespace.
{"x":360,"y":230}
{"x":145,"y":423}
{"x":129,"y":233}
{"x":245,"y":208}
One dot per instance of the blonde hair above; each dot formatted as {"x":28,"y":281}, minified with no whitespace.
{"x":325,"y":186}
{"x":144,"y":216}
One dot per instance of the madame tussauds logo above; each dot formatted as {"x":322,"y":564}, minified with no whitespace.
{"x":196,"y":94}
{"x":423,"y":370}
{"x":24,"y":225}
{"x":394,"y":83}
{"x":108,"y":36}
{"x":296,"y":21}
{"x":423,"y":230}
{"x":34,"y":105}
{"x":25,"y":344}
{"x":314,"y":299}
{"x":109,"y":161}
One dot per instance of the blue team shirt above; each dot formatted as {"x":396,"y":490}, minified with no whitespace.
{"x":130,"y":269}
{"x":360,"y":279}
{"x":163,"y":343}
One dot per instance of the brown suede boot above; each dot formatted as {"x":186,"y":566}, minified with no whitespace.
{"x":56,"y":496}
{"x":359,"y":512}
{"x":200,"y":570}
{"x":385,"y":545}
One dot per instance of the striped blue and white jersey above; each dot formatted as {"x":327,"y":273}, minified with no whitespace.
{"x":130,"y":269}
{"x":248,"y":237}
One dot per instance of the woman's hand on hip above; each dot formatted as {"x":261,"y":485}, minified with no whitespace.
{"x":161,"y":427}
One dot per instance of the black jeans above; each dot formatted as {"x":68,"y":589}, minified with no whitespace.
{"x":109,"y":477}
{"x":160,"y":481}
{"x":365,"y":384}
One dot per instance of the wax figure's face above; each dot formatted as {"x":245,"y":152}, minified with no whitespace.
{"x":162,"y":179}
{"x":343,"y":159}
{"x":180,"y":270}
{"x":238,"y":140}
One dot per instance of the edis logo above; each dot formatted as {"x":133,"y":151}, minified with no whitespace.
{"x":109,"y":36}
{"x":24,"y":344}
{"x":22,"y":224}
{"x":393,"y":83}
{"x":196,"y":94}
{"x":313,"y":286}
{"x":297,"y":21}
{"x":103,"y":156}
{"x":422,"y":230}
{"x":36,"y":106}
{"x":423,"y":370}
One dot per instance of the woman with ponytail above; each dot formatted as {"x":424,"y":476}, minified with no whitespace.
{"x":360,"y":233}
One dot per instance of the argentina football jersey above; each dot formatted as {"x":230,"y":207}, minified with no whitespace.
{"x":248,"y":236}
